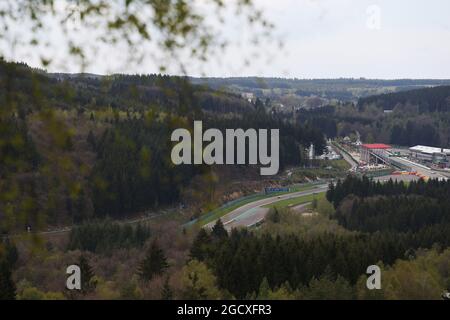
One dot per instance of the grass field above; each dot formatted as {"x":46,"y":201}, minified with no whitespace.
{"x":296,"y":201}
{"x":324,"y":169}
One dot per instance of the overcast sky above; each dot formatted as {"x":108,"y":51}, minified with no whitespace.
{"x":322,"y":39}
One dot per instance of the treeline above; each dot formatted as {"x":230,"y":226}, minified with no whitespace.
{"x":137,"y":92}
{"x":341,"y":86}
{"x":32,"y":90}
{"x":369,"y":206}
{"x":427,"y":99}
{"x":105,"y":236}
{"x":365,"y":187}
{"x":242,"y":260}
{"x":342,"y":95}
{"x":396,"y":213}
{"x":414,"y":133}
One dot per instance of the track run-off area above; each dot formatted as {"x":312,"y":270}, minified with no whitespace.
{"x":253,"y":213}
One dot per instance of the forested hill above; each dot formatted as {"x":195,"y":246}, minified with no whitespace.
{"x":342,"y":89}
{"x":32,"y":88}
{"x":420,"y":116}
{"x":294,"y":83}
{"x":436,"y":99}
{"x":77,"y":147}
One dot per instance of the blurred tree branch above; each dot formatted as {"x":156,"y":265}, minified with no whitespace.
{"x":179,"y":29}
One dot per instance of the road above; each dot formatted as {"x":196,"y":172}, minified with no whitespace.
{"x":62,"y":230}
{"x":253,"y":213}
{"x":347,"y":157}
{"x":421,"y":169}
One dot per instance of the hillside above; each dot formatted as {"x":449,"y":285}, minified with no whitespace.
{"x":435,"y":99}
{"x":80,"y":147}
{"x":120,"y":92}
{"x":406,"y":118}
{"x":340,"y":89}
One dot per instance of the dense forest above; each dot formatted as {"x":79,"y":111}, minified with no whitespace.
{"x":242,"y":260}
{"x":106,"y":236}
{"x":314,"y":257}
{"x":389,"y":221}
{"x":365,"y":187}
{"x":84,"y":146}
{"x":434,"y":99}
{"x":406,"y":118}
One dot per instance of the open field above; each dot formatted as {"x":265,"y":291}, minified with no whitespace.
{"x":323,"y":169}
{"x":292,"y":202}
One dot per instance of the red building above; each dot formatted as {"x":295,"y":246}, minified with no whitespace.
{"x":376,"y":148}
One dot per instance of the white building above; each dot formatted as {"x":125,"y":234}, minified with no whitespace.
{"x":249,"y":96}
{"x":430,"y":154}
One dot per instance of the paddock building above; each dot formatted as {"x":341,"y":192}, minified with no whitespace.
{"x":426,"y":154}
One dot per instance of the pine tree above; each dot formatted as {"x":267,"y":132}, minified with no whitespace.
{"x":218,"y":231}
{"x":12,"y":254}
{"x":88,"y":284}
{"x":7,"y":286}
{"x":154,"y":263}
{"x":166,"y":292}
{"x":200,"y":246}
{"x":264,"y":289}
{"x":330,"y":192}
{"x":91,"y":139}
{"x":274,"y":215}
